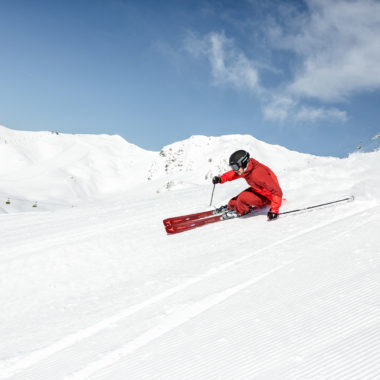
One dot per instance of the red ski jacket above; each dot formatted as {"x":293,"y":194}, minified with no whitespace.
{"x":262,"y":180}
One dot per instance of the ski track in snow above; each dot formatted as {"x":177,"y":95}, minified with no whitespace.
{"x":41,"y":357}
{"x":65,"y":231}
{"x":169,"y":324}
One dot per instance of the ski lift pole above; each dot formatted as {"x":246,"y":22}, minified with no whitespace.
{"x":351,"y":198}
{"x":212,"y":194}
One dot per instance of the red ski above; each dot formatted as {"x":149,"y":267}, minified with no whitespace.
{"x":189,"y":217}
{"x":191,"y":224}
{"x":213,"y":217}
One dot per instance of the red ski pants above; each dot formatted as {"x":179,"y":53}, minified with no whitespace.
{"x":242,"y":202}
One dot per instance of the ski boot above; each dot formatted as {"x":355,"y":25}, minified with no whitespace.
{"x":220,"y":210}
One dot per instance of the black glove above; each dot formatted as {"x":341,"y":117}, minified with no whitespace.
{"x":216,"y":180}
{"x":272,"y":215}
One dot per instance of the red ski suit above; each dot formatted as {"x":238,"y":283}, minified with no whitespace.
{"x":264,"y":188}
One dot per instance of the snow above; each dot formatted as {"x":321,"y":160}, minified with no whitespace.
{"x":92,"y":287}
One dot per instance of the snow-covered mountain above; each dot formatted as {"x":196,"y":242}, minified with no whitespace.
{"x":60,"y":170}
{"x":54,"y":168}
{"x":99,"y":291}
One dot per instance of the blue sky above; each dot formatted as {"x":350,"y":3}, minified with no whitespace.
{"x":302,"y":74}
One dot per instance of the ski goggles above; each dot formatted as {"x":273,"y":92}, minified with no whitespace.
{"x":235,"y":167}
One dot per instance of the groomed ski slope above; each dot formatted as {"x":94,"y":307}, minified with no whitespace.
{"x":99,"y":291}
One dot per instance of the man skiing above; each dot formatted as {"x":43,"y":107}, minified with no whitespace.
{"x":264,"y":187}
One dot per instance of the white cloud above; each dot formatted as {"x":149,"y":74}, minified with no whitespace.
{"x":339,"y":46}
{"x":336,"y":45}
{"x":321,"y":113}
{"x":228,"y":64}
{"x":281,"y":108}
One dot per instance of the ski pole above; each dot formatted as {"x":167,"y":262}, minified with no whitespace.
{"x":351,"y":198}
{"x":212,"y":194}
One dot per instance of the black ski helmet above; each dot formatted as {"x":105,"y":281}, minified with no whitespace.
{"x":239,"y":159}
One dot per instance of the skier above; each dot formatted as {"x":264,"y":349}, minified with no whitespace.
{"x":264,"y":187}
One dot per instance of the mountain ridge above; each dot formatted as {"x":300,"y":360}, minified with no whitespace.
{"x":69,"y":168}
